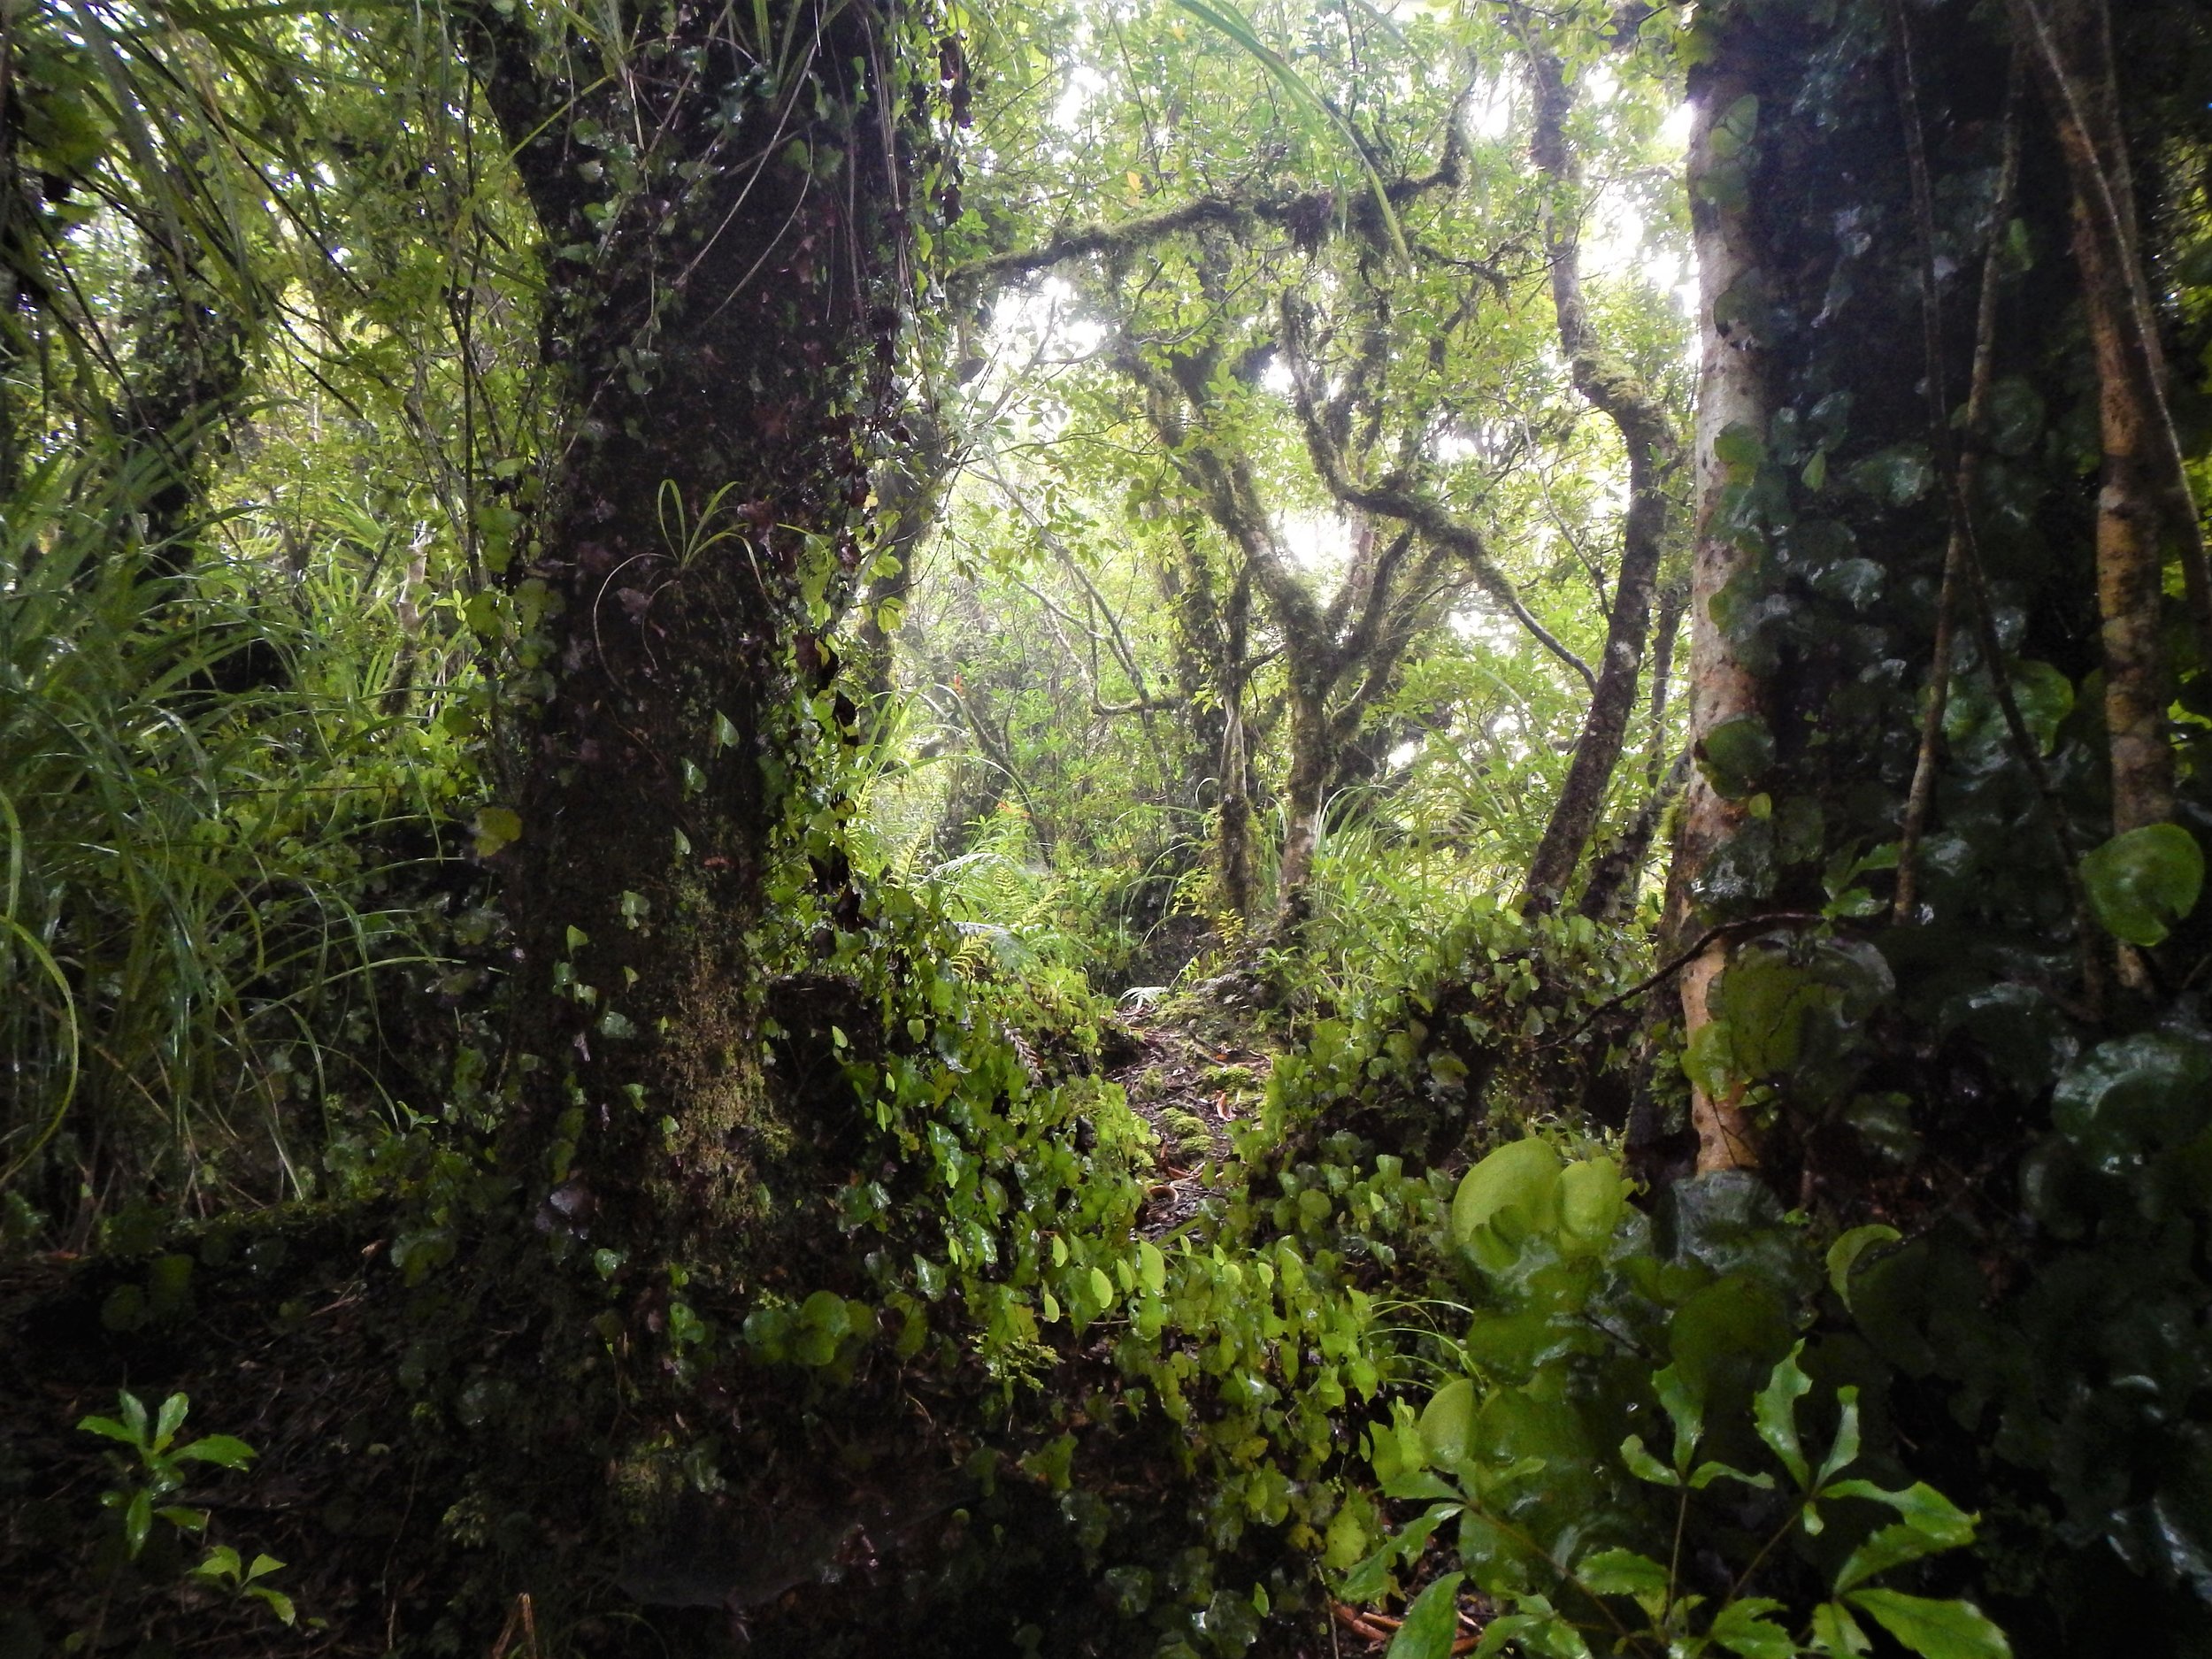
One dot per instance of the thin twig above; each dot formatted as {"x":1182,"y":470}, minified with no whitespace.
{"x":1675,"y":964}
{"x":2023,"y":744}
{"x":1921,"y":796}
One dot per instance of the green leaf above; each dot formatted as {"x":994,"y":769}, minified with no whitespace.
{"x":2016,"y":416}
{"x":138,"y":1520}
{"x":1431,"y":1622}
{"x":221,"y":1562}
{"x":1684,"y":1403}
{"x":1705,"y":1474}
{"x":1836,"y":1632}
{"x":1727,"y":1338}
{"x":1740,"y":446}
{"x":1224,"y":15}
{"x":1845,"y":1451}
{"x":1447,"y":1420}
{"x":2149,"y":1090}
{"x":1735,"y":755}
{"x":1592,"y":1197}
{"x":1844,"y":1254}
{"x":2143,"y":882}
{"x":1774,"y":1408}
{"x":278,"y":1603}
{"x":1890,"y":1546}
{"x":263,"y":1566}
{"x":1742,"y":1627}
{"x":1928,"y":1524}
{"x":1367,"y":1582}
{"x":1522,"y":1176}
{"x":1346,"y":1541}
{"x":1644,"y":1466}
{"x":496,"y":827}
{"x":108,"y":1428}
{"x":1737,"y":129}
{"x":1935,"y":1630}
{"x":2045,"y":697}
{"x":225,"y":1449}
{"x":1151,"y":1266}
{"x":171,"y":1418}
{"x":1625,"y":1572}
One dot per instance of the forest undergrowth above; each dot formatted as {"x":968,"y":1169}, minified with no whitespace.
{"x":1106,"y":830}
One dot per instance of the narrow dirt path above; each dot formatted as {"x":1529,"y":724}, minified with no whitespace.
{"x":1191,"y":1073}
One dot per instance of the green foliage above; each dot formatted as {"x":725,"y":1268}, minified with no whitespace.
{"x":1575,"y":1299}
{"x":162,"y":1460}
{"x":2141,"y":883}
{"x":223,"y":1567}
{"x":189,"y":902}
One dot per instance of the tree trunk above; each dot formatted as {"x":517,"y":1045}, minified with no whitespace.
{"x":910,"y":487}
{"x":1648,"y":434}
{"x":1312,"y":758}
{"x":714,"y":321}
{"x":17,"y":252}
{"x":1732,"y":411}
{"x":188,"y":372}
{"x":2137,"y":509}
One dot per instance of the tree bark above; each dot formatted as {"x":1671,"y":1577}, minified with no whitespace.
{"x":1731,"y":403}
{"x":715,"y":323}
{"x":1648,"y":434}
{"x":2145,"y":500}
{"x":1312,"y":758}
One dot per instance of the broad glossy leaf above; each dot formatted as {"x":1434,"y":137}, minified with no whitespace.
{"x":1735,"y":755}
{"x":173,"y":1411}
{"x":1728,"y":1337}
{"x":1775,"y":1411}
{"x":1431,"y":1622}
{"x":1644,"y":1466}
{"x":1625,"y":1572}
{"x":1592,"y":1197}
{"x":225,"y":1449}
{"x":1522,"y":1175}
{"x":1935,"y":1630}
{"x":1844,"y":1254}
{"x":1447,"y":1420}
{"x":2143,"y":882}
{"x":1743,"y":1627}
{"x":2134,"y":1094}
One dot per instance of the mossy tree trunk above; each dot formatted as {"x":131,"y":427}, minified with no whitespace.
{"x":1654,"y":448}
{"x":723,"y":222}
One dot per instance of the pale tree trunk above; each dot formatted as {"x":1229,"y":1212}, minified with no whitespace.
{"x":1731,"y":400}
{"x":2144,"y":505}
{"x":1312,"y":758}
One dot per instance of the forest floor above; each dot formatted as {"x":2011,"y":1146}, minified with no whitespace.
{"x":1191,"y":1070}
